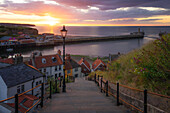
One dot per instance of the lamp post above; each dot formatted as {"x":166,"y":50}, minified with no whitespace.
{"x":63,"y":34}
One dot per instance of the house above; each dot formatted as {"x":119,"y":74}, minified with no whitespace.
{"x":98,"y":64}
{"x":72,"y":67}
{"x":18,"y":58}
{"x":24,"y":103}
{"x":85,"y":66}
{"x":19,"y":78}
{"x":50,"y":65}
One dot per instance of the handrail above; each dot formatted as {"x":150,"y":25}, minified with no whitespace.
{"x":143,"y":91}
{"x":19,"y":94}
{"x":131,"y":105}
{"x":29,"y":90}
{"x":32,"y":106}
{"x":7,"y":99}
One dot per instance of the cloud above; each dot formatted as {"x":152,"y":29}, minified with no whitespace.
{"x":89,"y":11}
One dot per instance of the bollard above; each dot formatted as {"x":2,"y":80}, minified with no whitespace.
{"x":145,"y":101}
{"x":107,"y":88}
{"x":117,"y":93}
{"x":16,"y":103}
{"x":42,"y":94}
{"x":95,"y":78}
{"x":50,"y":90}
{"x":101,"y":83}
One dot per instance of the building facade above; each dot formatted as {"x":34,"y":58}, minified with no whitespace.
{"x":18,"y":79}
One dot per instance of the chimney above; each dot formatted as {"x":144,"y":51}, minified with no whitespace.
{"x":18,"y":59}
{"x":83,"y":59}
{"x":59,"y":52}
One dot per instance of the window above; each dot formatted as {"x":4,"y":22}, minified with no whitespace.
{"x":56,"y":75}
{"x":18,"y":89}
{"x":54,"y":59}
{"x":59,"y":74}
{"x":40,"y":70}
{"x":76,"y":75}
{"x":85,"y":69}
{"x":43,"y":60}
{"x":56,"y":68}
{"x":59,"y":67}
{"x":76,"y":69}
{"x":44,"y":69}
{"x":36,"y":83}
{"x":22,"y":88}
{"x":68,"y":71}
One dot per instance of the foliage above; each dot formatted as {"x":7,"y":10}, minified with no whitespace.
{"x":148,"y":67}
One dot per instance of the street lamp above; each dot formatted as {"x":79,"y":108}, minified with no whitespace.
{"x":63,"y":34}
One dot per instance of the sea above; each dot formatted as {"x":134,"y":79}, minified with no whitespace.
{"x":102,"y":48}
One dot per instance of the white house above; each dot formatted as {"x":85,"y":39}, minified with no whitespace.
{"x":50,"y":65}
{"x":18,"y":79}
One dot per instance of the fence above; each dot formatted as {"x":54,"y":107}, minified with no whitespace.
{"x":38,"y":102}
{"x":133,"y":98}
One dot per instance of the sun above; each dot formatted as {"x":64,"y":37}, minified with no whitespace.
{"x":52,"y":23}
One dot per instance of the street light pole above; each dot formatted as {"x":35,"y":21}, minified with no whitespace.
{"x":63,"y":34}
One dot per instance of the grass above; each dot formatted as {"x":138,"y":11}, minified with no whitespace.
{"x":145,"y":68}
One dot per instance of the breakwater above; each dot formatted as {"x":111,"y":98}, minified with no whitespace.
{"x":88,"y":39}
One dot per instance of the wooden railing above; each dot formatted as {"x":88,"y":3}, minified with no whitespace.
{"x":105,"y":87}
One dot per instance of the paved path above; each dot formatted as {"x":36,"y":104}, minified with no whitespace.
{"x":82,"y":97}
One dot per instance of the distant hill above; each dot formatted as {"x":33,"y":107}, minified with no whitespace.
{"x":9,"y":29}
{"x":15,"y":24}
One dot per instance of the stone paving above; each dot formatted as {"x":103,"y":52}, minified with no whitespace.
{"x":82,"y":96}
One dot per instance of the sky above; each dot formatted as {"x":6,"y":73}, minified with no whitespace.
{"x":86,"y":12}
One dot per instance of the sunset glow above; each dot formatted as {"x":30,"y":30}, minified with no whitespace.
{"x":85,"y":12}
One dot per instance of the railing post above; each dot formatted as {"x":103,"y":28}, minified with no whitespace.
{"x":60,"y":81}
{"x":50,"y":90}
{"x":56,"y":86}
{"x":42,"y":94}
{"x":145,"y":101}
{"x":16,"y":103}
{"x":107,"y":88}
{"x":95,"y":78}
{"x":33,"y":79}
{"x":117,"y":93}
{"x":101,"y":80}
{"x":98,"y":80}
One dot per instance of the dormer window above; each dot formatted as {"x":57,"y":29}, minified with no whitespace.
{"x":54,"y":59}
{"x":43,"y":60}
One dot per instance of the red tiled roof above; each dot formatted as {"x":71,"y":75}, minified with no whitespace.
{"x":28,"y":103}
{"x":7,"y":60}
{"x":68,"y":65}
{"x":49,"y":61}
{"x":85,"y":62}
{"x":20,"y":108}
{"x":27,"y":41}
{"x":96,"y":63}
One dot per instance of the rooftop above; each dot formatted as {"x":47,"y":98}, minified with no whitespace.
{"x":48,"y":61}
{"x":17,"y":74}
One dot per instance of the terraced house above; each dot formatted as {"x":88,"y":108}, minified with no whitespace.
{"x":18,"y":79}
{"x":50,"y":65}
{"x":73,"y":69}
{"x":85,"y":66}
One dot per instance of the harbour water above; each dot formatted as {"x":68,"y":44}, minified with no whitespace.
{"x":102,"y":48}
